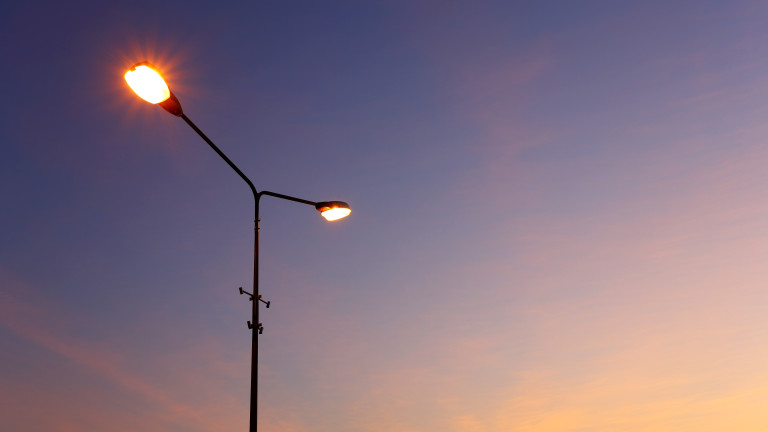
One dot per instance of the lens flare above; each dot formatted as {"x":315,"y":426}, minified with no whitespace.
{"x":147,"y":83}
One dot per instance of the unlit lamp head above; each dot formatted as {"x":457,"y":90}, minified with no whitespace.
{"x":333,"y":210}
{"x":146,"y":82}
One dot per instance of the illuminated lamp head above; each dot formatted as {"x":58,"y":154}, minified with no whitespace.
{"x":333,"y":210}
{"x":148,"y":84}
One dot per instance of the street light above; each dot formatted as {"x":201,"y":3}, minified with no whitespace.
{"x":146,"y":81}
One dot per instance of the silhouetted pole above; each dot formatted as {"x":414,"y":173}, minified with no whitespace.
{"x":150,"y":86}
{"x":255,"y":296}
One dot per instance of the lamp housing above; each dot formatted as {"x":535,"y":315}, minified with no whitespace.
{"x":333,"y":210}
{"x":144,"y":79}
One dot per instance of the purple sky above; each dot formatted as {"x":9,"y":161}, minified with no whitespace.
{"x":560,"y":216}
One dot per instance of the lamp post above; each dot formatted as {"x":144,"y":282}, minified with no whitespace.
{"x":144,"y":79}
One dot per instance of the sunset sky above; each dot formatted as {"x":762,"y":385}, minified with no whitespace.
{"x":560,"y":216}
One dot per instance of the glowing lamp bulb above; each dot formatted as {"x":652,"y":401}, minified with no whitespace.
{"x":333,"y":210}
{"x":147,"y":83}
{"x":336,"y":214}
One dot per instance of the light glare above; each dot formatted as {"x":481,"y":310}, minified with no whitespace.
{"x":148,"y":84}
{"x":336,"y":213}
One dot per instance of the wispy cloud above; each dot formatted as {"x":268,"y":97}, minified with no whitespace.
{"x":42,"y":322}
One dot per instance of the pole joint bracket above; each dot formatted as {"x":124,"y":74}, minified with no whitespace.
{"x":250,"y":297}
{"x":259,"y":327}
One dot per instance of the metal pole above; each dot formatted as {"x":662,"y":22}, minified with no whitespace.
{"x":256,"y":324}
{"x":255,"y":306}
